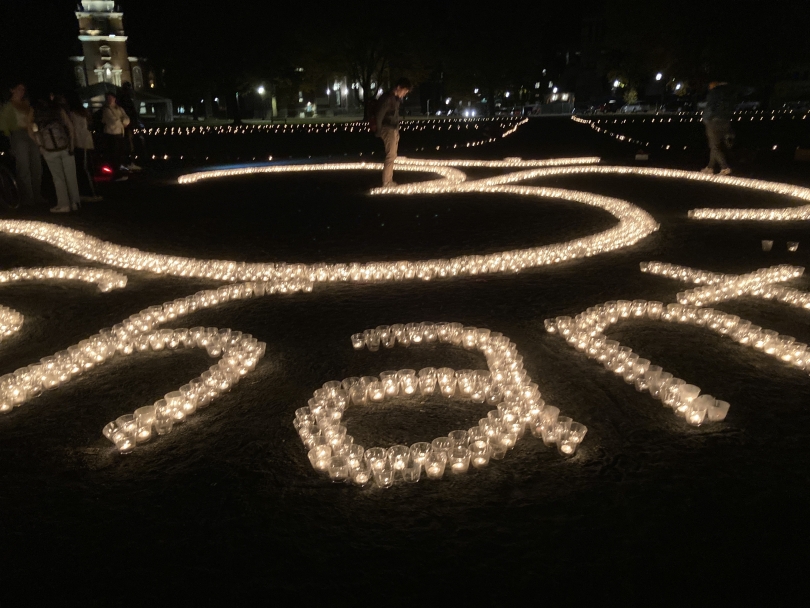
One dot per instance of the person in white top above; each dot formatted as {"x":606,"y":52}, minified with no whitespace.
{"x":115,"y":121}
{"x":83,"y":147}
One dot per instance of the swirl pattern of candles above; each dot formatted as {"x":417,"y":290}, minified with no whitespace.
{"x":505,"y":385}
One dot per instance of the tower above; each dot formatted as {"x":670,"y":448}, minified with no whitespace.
{"x":104,"y":43}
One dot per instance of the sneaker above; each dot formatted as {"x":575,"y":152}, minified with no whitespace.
{"x":726,"y":171}
{"x":707,"y":170}
{"x":60,"y":209}
{"x":134,"y":167}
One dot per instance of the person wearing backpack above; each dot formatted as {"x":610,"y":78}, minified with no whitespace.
{"x":50,"y":127}
{"x":385,"y":124}
{"x":14,"y":118}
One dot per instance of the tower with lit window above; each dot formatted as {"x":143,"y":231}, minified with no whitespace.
{"x":104,"y":43}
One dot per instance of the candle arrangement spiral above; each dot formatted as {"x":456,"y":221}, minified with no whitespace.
{"x":505,"y":385}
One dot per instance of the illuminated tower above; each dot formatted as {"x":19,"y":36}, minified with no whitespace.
{"x":105,"y":59}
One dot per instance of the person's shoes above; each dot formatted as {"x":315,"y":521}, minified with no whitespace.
{"x":134,"y":167}
{"x":123,"y":168}
{"x":726,"y":171}
{"x":75,"y":207}
{"x":60,"y":209}
{"x":92,"y":199}
{"x":707,"y":170}
{"x":121,"y":178}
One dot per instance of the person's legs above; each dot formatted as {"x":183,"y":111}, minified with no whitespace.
{"x":390,"y":138}
{"x":69,"y":169}
{"x":716,"y":132}
{"x":55,"y":164}
{"x":35,"y":168}
{"x":19,"y":150}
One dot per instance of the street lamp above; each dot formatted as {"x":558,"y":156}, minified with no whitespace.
{"x":260,"y":90}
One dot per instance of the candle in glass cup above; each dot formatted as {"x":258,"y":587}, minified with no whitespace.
{"x":361,"y":475}
{"x":407,"y":381}
{"x":434,"y":465}
{"x":419,"y":452}
{"x":398,"y":456}
{"x":145,"y":417}
{"x":441,"y":445}
{"x":384,"y":475}
{"x":459,"y":459}
{"x":319,"y":457}
{"x":375,"y":457}
{"x":458,"y":438}
{"x":427,"y":380}
{"x":338,"y":469}
{"x":479,"y":453}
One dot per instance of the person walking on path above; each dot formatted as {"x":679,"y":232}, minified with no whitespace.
{"x":83,"y":148}
{"x":14,"y":117}
{"x":115,"y":123}
{"x":387,"y":117}
{"x":50,"y":127}
{"x":717,"y":119}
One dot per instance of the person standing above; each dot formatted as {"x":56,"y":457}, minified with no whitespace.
{"x":50,"y":127}
{"x":14,"y":118}
{"x":717,"y":119}
{"x":83,"y":148}
{"x":115,"y":122}
{"x":387,"y":117}
{"x":126,"y":102}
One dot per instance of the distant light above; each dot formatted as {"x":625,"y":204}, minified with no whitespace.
{"x":466,"y":113}
{"x":678,"y":87}
{"x":616,"y":84}
{"x":447,"y":101}
{"x":472,"y":112}
{"x":554,"y":90}
{"x":260,"y":89}
{"x":508,"y":94}
{"x":328,"y":90}
{"x":659,"y":76}
{"x":536,"y":85}
{"x":216,"y":99}
{"x":475,"y":91}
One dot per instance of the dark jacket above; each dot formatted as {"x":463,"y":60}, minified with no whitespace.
{"x":720,"y":104}
{"x":388,"y":112}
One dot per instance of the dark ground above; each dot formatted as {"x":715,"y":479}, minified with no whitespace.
{"x":650,"y":511}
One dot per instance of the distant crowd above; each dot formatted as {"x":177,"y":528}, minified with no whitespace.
{"x":61,"y":130}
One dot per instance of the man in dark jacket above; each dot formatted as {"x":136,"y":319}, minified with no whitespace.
{"x":387,"y":117}
{"x":717,"y":118}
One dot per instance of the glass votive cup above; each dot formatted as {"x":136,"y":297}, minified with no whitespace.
{"x":434,"y":465}
{"x":357,"y":394}
{"x":338,"y":469}
{"x":767,"y":245}
{"x":441,"y":445}
{"x":361,"y":475}
{"x":375,"y":457}
{"x":109,"y":430}
{"x":419,"y":452}
{"x":399,"y":456}
{"x":412,"y":472}
{"x":319,"y":457}
{"x":353,"y":454}
{"x":657,"y":382}
{"x":372,"y":339}
{"x":792,"y":246}
{"x":376,"y":392}
{"x":458,"y":459}
{"x":126,"y":433}
{"x":145,"y":417}
{"x":427,"y":380}
{"x":390,"y":383}
{"x":479,"y":453}
{"x":458,"y":438}
{"x":384,"y":475}
{"x":408,"y":382}
{"x":698,"y":408}
{"x":497,"y":448}
{"x":718,"y":411}
{"x":164,"y":418}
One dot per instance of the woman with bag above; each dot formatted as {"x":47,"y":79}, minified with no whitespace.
{"x":50,"y":127}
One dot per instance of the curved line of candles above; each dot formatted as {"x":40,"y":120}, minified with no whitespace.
{"x":505,"y":385}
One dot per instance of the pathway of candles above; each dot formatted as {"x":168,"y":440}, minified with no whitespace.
{"x":585,"y":332}
{"x":239,"y":353}
{"x":505,"y":385}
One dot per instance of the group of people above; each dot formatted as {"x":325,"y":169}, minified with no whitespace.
{"x":57,"y":128}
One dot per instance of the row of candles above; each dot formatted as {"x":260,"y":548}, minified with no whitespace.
{"x":140,"y":332}
{"x":634,"y":224}
{"x":585,"y":333}
{"x":728,"y":285}
{"x":505,"y":385}
{"x":784,"y":214}
{"x":105,"y":279}
{"x":346,"y":127}
{"x":239,"y":353}
{"x":10,"y":322}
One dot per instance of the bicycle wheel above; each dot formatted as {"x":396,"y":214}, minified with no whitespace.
{"x":9,"y":195}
